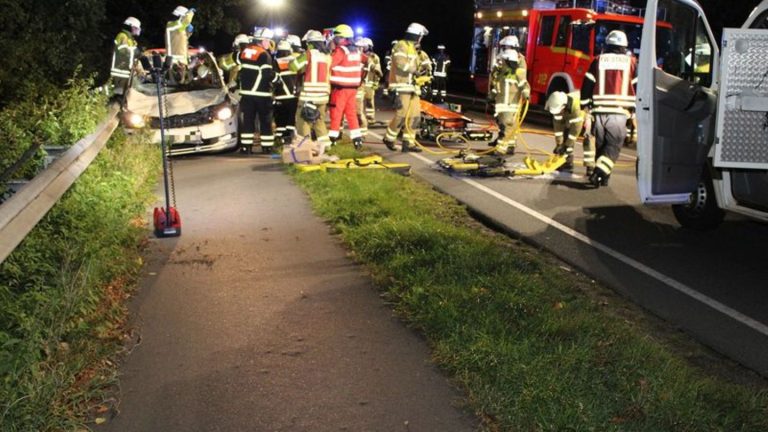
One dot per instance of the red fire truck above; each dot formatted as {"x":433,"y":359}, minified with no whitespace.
{"x":559,"y":38}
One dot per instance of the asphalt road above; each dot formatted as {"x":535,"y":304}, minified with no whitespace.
{"x":710,"y":284}
{"x":256,"y":319}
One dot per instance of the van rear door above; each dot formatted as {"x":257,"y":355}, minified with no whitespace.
{"x":676,"y":102}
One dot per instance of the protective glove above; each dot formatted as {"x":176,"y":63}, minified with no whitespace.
{"x":527,"y":94}
{"x":190,"y":29}
{"x":422,"y":80}
{"x":193,"y":10}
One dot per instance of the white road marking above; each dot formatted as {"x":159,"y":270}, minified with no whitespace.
{"x":672,"y":283}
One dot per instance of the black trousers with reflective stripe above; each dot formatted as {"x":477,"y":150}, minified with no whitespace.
{"x":285,"y":113}
{"x":610,"y":131}
{"x":254,"y":107}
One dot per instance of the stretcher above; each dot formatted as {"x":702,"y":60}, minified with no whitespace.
{"x":367,"y":163}
{"x":495,"y":166}
{"x":437,"y":121}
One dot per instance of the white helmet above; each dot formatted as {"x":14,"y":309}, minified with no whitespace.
{"x":294,"y":40}
{"x":203,"y":71}
{"x":180,"y":11}
{"x":417,"y":29}
{"x":441,"y":47}
{"x":617,"y":38}
{"x":133,"y":22}
{"x":556,"y":102}
{"x":368,"y":42}
{"x":241,"y":39}
{"x":510,"y":41}
{"x":510,"y":55}
{"x":284,"y":45}
{"x":313,"y":36}
{"x":263,"y":33}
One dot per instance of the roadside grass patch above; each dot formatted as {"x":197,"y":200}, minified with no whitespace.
{"x":63,"y":292}
{"x":533,"y":349}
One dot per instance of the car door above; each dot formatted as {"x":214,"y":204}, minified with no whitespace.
{"x":676,"y":100}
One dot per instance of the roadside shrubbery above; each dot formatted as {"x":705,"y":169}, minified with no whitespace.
{"x":62,"y":290}
{"x":534,"y":350}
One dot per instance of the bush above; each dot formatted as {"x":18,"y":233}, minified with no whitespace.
{"x":62,"y":290}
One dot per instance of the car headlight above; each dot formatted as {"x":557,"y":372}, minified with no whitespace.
{"x":224,"y":113}
{"x":134,"y":120}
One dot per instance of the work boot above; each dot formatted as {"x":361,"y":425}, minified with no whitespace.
{"x":413,"y":148}
{"x":390,"y":144}
{"x":493,"y":143}
{"x":246,"y":149}
{"x":566,"y":167}
{"x":358,"y":143}
{"x":511,"y":151}
{"x":598,"y":178}
{"x":590,"y":170}
{"x":266,"y":149}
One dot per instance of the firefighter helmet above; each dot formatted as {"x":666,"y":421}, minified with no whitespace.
{"x":240,"y":39}
{"x":556,"y":102}
{"x":617,"y":38}
{"x":510,"y":55}
{"x":262,"y":33}
{"x":313,"y":36}
{"x":133,"y":22}
{"x":441,"y":47}
{"x":180,"y":11}
{"x":368,"y":42}
{"x":344,"y":31}
{"x":284,"y":45}
{"x":510,"y":41}
{"x":294,"y":40}
{"x":417,"y":29}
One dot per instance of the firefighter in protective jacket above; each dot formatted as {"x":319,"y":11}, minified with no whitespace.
{"x":568,"y":122}
{"x":346,"y":77}
{"x":313,"y":67}
{"x":608,"y":91}
{"x":442,"y":63}
{"x":125,"y":52}
{"x":257,"y":79}
{"x":509,"y":88}
{"x":177,"y":33}
{"x":230,"y":63}
{"x":286,"y":99}
{"x":403,"y":86}
{"x":371,"y":77}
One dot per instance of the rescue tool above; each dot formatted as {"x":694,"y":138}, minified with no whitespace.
{"x":167,"y":220}
{"x":437,"y":121}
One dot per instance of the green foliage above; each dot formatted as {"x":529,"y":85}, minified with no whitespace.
{"x":56,"y":118}
{"x":60,"y":291}
{"x":534,"y":351}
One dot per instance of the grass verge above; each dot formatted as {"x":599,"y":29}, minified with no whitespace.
{"x":62,"y":293}
{"x":534,"y":349}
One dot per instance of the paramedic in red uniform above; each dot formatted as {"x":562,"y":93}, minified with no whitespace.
{"x":346,"y":77}
{"x":608,"y":91}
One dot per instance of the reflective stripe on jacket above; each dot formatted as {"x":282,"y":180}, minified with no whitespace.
{"x":177,"y":39}
{"x":508,"y":85}
{"x":257,"y":75}
{"x":286,"y":85}
{"x":123,"y":55}
{"x":442,"y":62}
{"x":315,"y":66}
{"x":405,"y":63}
{"x":609,"y":86}
{"x":346,"y":67}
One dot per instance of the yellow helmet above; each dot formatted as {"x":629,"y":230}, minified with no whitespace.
{"x":343,"y":30}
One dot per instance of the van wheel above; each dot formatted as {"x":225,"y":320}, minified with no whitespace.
{"x":702,"y":212}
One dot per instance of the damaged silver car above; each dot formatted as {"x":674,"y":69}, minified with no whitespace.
{"x":200,"y":114}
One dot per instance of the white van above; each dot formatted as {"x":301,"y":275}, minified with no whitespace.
{"x":703,"y":115}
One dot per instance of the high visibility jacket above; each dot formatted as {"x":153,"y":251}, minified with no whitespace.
{"x":508,"y":86}
{"x":442,"y":62}
{"x":230,"y":65}
{"x":123,"y":55}
{"x":257,"y":76}
{"x":609,"y":86}
{"x":346,"y":67}
{"x":373,"y":71}
{"x":177,"y":38}
{"x":286,"y":84}
{"x":315,"y":67}
{"x":405,"y":64}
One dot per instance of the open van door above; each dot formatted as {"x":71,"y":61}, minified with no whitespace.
{"x":676,"y":101}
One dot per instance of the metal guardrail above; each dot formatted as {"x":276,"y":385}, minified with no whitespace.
{"x":21,"y":212}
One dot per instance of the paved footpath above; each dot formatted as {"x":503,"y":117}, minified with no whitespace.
{"x":256,"y":320}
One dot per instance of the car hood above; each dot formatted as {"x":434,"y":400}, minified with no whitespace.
{"x":177,"y":103}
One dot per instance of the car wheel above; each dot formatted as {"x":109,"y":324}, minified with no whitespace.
{"x":702,"y":212}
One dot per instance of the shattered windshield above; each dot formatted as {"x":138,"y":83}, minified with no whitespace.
{"x":201,"y":74}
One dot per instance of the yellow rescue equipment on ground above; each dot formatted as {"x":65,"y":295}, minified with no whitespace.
{"x":374,"y":162}
{"x":495,"y":166}
{"x":535,"y":168}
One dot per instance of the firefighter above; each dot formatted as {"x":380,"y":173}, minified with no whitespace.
{"x":126,"y":50}
{"x":360,"y":43}
{"x":230,"y":63}
{"x":509,"y":88}
{"x":295,"y":42}
{"x":609,"y":94}
{"x":346,"y":77}
{"x":373,"y":75}
{"x":402,"y":85}
{"x":177,"y":33}
{"x":257,"y":78}
{"x":440,"y":75}
{"x":567,"y":122}
{"x":313,"y":67}
{"x":285,"y":93}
